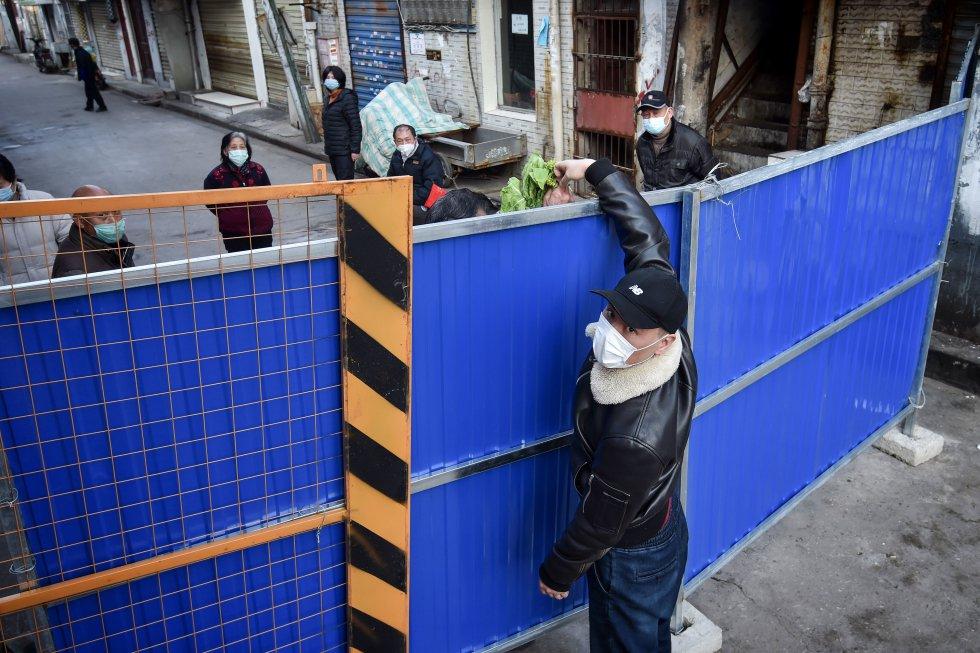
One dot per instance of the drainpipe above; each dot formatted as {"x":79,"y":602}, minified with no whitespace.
{"x":557,"y":113}
{"x":820,"y":85}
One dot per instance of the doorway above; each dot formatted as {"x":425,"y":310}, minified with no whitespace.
{"x":142,"y":39}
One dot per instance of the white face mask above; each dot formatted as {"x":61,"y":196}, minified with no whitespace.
{"x":407,"y":149}
{"x":655,"y":126}
{"x":611,"y":348}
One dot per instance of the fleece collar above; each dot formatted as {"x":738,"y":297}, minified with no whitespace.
{"x":620,"y":385}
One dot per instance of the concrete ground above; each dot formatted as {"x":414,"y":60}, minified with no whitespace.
{"x":883,"y":557}
{"x":134,"y":148}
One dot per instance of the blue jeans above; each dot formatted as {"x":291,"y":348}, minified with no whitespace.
{"x":632,"y":591}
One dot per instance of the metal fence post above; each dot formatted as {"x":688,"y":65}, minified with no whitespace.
{"x":971,"y":120}
{"x":690,"y":225}
{"x":375,"y":232}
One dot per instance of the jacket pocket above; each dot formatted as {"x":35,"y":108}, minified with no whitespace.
{"x":605,"y":506}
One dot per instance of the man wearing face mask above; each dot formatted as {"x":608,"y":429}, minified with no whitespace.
{"x":632,"y":411}
{"x":96,"y":242}
{"x":670,"y":153}
{"x":416,"y":159}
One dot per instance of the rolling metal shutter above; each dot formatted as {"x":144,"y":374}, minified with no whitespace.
{"x":377,"y":55}
{"x":77,"y":21}
{"x":275,"y":77}
{"x":226,"y":43}
{"x":110,"y":54}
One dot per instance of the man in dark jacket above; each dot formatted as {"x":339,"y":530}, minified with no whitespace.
{"x":86,"y":68}
{"x":341,"y":120}
{"x":95,"y":243}
{"x":633,"y":405}
{"x":416,"y":159}
{"x":670,"y":153}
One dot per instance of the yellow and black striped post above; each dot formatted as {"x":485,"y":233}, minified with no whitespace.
{"x":375,"y":230}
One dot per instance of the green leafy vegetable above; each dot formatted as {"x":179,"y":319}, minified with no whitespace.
{"x":528,"y":192}
{"x":511,"y":198}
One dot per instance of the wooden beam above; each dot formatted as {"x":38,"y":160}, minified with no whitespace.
{"x":936,"y":99}
{"x":102,"y":579}
{"x":716,"y":48}
{"x":807,"y":21}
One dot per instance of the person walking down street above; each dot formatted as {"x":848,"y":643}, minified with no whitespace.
{"x":96,"y":242}
{"x":633,"y":405}
{"x":27,"y":244}
{"x":670,"y":153}
{"x":414,"y":157}
{"x":341,"y":120}
{"x":246,"y":225}
{"x":86,"y":68}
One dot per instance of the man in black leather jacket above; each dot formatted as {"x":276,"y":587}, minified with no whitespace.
{"x":634,"y":401}
{"x":669,"y":152}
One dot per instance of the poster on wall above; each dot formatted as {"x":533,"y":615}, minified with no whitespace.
{"x":417,"y":42}
{"x":328,"y":51}
{"x":518,"y":23}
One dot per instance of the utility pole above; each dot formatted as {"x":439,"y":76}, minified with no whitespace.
{"x":289,"y":67}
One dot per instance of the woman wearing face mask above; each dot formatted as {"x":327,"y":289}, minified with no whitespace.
{"x":27,"y":245}
{"x":341,"y":123}
{"x":632,"y":412}
{"x":246,"y":225}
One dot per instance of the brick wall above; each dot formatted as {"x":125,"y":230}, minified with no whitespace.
{"x":883,"y":64}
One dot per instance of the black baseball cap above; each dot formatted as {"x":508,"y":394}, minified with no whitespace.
{"x":652,"y":100}
{"x":649,"y":298}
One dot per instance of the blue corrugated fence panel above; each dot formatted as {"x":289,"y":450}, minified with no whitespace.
{"x":288,"y":595}
{"x":476,"y":547}
{"x":499,"y":333}
{"x":141,"y":420}
{"x":755,"y":451}
{"x":780,"y":259}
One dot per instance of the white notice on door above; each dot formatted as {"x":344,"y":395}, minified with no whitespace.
{"x":417,"y":42}
{"x":518,"y":23}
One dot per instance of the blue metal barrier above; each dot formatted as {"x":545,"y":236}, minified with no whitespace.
{"x":169,"y":413}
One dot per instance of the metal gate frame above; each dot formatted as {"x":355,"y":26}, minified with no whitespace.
{"x":374,"y":248}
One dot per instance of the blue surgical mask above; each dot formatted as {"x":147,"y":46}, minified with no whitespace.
{"x":238,"y":157}
{"x":331,"y":84}
{"x":110,"y":232}
{"x":655,"y":126}
{"x":6,"y":193}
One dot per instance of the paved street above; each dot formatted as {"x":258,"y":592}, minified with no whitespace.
{"x":881,"y":558}
{"x":133,"y":148}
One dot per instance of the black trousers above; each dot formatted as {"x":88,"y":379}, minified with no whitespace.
{"x":242,"y":242}
{"x":92,"y":94}
{"x":342,"y":166}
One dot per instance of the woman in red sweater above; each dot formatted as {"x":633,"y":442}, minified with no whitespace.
{"x":246,"y":225}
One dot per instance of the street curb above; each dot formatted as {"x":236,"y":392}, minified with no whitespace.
{"x":187,"y":110}
{"x":954,"y":361}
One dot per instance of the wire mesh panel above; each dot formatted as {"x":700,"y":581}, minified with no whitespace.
{"x":166,"y":388}
{"x":286,"y":595}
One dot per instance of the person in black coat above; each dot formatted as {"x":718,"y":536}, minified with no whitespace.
{"x":341,"y":123}
{"x":86,"y":68}
{"x":670,"y":153}
{"x":415,"y":159}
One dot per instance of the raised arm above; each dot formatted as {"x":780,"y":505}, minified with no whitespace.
{"x":641,"y":235}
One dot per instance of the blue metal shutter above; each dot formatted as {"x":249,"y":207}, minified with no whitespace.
{"x":374,"y":32}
